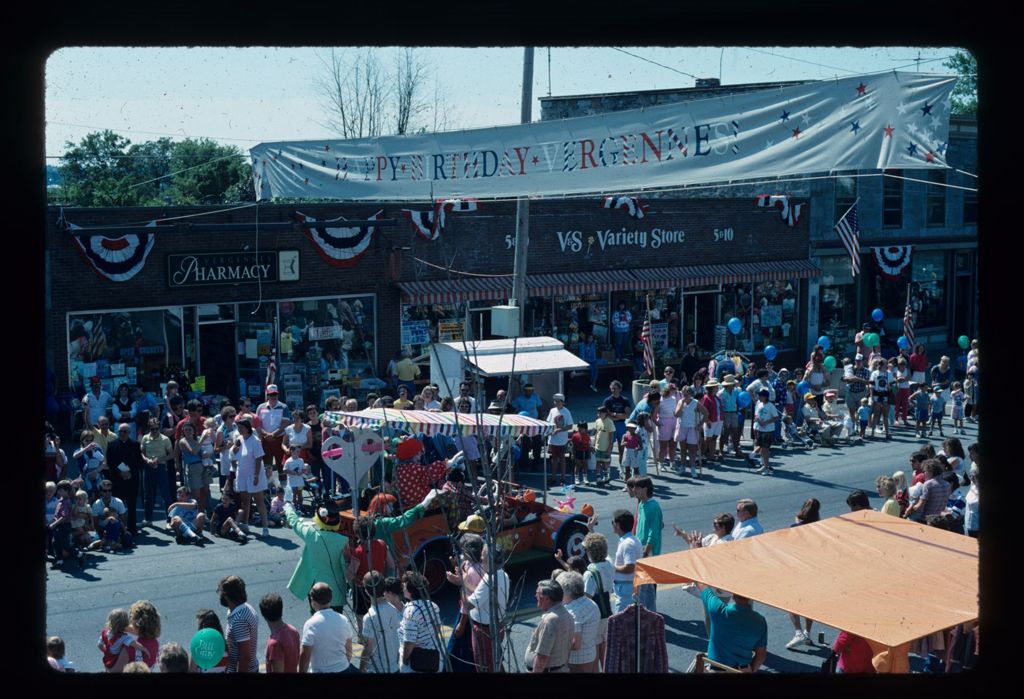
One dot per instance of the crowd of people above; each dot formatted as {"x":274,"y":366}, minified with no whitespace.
{"x":680,"y":425}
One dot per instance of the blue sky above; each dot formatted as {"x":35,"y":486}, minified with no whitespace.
{"x":243,"y":96}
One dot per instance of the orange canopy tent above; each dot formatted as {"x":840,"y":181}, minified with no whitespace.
{"x":889,"y":580}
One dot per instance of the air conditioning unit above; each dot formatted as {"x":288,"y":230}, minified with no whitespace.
{"x":505,"y":321}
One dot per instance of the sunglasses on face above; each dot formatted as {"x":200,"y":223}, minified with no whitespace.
{"x":105,"y":490}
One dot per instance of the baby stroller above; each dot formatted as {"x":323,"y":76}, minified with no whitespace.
{"x":792,"y":436}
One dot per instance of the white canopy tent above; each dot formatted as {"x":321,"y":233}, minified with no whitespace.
{"x":449,"y":361}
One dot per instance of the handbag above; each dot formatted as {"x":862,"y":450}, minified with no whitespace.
{"x":424,"y":660}
{"x":601,"y":599}
{"x":829,"y":666}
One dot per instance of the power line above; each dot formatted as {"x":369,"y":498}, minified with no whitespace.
{"x":152,"y":133}
{"x":800,"y":60}
{"x":660,"y":65}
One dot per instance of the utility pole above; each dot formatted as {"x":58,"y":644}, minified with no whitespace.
{"x":522,"y":203}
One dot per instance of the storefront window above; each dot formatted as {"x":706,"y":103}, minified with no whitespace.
{"x":837,"y":298}
{"x":937,"y":198}
{"x":575,"y":317}
{"x":734,"y":302}
{"x":665,"y":318}
{"x":256,"y":342}
{"x":332,"y":341}
{"x":426,"y":323}
{"x":892,"y":199}
{"x":775,"y":318}
{"x":928,"y":290}
{"x":537,"y":316}
{"x":889,"y":294}
{"x":134,"y":347}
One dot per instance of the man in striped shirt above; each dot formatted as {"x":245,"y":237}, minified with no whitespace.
{"x":242,"y":633}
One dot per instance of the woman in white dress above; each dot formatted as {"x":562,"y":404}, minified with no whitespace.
{"x":250,"y":474}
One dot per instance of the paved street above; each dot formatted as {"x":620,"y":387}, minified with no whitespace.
{"x":183,"y":579}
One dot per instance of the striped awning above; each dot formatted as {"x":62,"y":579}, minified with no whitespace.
{"x":572,"y":283}
{"x":700,"y":275}
{"x":429,"y":422}
{"x":455,"y":290}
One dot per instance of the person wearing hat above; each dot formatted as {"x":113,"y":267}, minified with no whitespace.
{"x":559,"y":438}
{"x":765,"y":417}
{"x":713,"y":422}
{"x":270,"y":429}
{"x":729,"y":396}
{"x":322,"y":557}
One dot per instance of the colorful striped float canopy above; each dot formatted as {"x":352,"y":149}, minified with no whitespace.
{"x":430,"y":422}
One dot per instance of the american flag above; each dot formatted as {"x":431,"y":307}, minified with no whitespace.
{"x":849,"y":235}
{"x":646,"y":338}
{"x":98,"y":340}
{"x":271,"y":372}
{"x":908,"y":323}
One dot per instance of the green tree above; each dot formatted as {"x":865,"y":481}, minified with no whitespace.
{"x":206,"y":172}
{"x":965,"y":93}
{"x":105,"y":169}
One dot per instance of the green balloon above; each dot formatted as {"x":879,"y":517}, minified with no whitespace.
{"x":872,"y":339}
{"x":964,"y":342}
{"x":207,"y":648}
{"x":830,"y":362}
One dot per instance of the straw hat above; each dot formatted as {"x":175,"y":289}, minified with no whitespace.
{"x":728,"y":380}
{"x":712,"y":384}
{"x":474,"y":524}
{"x":808,"y":396}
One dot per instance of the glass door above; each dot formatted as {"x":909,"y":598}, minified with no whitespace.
{"x":254,"y":338}
{"x":699,"y":321}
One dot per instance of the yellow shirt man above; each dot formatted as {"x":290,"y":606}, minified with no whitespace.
{"x":405,"y":370}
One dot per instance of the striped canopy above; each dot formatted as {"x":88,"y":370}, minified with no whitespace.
{"x":449,"y":423}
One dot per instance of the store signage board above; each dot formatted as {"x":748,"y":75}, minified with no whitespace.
{"x":450,"y":331}
{"x":327,"y":332}
{"x":219,"y":268}
{"x":415,"y":332}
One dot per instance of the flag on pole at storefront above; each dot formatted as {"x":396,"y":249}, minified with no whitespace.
{"x":908,"y":320}
{"x":646,"y":338}
{"x":849,"y":235}
{"x":271,"y":373}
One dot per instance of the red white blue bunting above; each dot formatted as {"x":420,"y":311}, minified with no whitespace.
{"x":429,"y":224}
{"x":338,"y":246}
{"x":631,"y":205}
{"x":790,"y":213}
{"x":115,"y":259}
{"x":893,"y":260}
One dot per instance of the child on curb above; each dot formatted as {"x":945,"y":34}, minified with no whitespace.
{"x":81,"y":520}
{"x":602,"y":449}
{"x":957,"y":396}
{"x":63,"y":547}
{"x":863,"y":417}
{"x":296,"y":469}
{"x":92,"y":455}
{"x":111,"y":540}
{"x":631,"y":442}
{"x":938,"y":404}
{"x":115,"y":637}
{"x":276,"y":513}
{"x":223,"y":523}
{"x":580,"y":451}
{"x":647,"y":433}
{"x":920,"y":401}
{"x":186,"y":520}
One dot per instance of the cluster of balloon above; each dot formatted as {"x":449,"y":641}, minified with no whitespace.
{"x":963,"y":341}
{"x":770,"y":352}
{"x":206,"y":648}
{"x":735,"y":325}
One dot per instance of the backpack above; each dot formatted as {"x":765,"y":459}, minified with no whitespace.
{"x":602,"y":598}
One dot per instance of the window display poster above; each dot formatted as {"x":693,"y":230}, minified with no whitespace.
{"x":263,"y":342}
{"x":117,"y":369}
{"x":250,"y":349}
{"x":327,"y":332}
{"x":416,"y":332}
{"x":659,"y":337}
{"x":450,"y":331}
{"x":131,"y":373}
{"x":199,"y":384}
{"x":87,"y":370}
{"x":771,"y":316}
